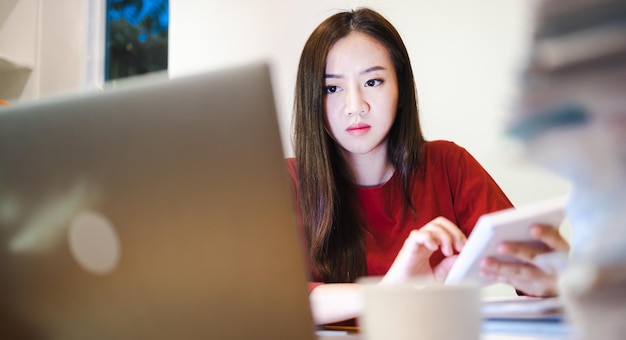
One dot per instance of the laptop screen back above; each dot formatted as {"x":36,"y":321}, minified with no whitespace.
{"x":158,"y":209}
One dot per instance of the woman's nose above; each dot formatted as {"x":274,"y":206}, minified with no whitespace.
{"x":356,"y":103}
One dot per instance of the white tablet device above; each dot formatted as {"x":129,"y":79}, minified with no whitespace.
{"x":505,"y":225}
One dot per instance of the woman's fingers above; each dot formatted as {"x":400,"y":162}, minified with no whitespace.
{"x":550,"y":236}
{"x":439,"y":233}
{"x":453,"y":230}
{"x":425,"y":238}
{"x":492,"y":267}
{"x":547,"y":239}
{"x":523,"y":276}
{"x":523,"y":251}
{"x":413,"y":258}
{"x":442,"y":270}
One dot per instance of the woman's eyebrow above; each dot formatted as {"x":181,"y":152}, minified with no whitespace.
{"x":367,"y":70}
{"x":372,"y":69}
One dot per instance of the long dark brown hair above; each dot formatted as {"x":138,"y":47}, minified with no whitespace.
{"x":332,"y":219}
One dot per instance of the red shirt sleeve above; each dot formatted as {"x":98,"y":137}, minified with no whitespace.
{"x":462,"y":189}
{"x":476,"y":192}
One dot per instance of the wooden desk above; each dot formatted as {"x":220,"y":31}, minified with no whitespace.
{"x":492,"y":330}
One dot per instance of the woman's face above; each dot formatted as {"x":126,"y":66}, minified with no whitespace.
{"x":361,"y":94}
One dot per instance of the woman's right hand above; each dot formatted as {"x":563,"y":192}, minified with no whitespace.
{"x":413,"y":258}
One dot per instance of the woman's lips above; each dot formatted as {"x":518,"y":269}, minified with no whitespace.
{"x":358,"y":129}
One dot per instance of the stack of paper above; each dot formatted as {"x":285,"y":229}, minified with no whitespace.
{"x":522,"y":307}
{"x":577,"y":57}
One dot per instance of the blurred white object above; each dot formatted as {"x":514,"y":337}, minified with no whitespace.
{"x":572,"y":119}
{"x":420,"y":310}
{"x":595,"y":299}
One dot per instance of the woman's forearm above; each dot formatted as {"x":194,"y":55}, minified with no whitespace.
{"x":334,"y":302}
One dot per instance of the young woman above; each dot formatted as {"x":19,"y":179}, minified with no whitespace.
{"x":375,"y":198}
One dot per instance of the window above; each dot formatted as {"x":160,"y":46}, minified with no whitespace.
{"x":136,"y":37}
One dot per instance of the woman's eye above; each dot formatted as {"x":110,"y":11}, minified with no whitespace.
{"x":331,"y":89}
{"x":373,"y":82}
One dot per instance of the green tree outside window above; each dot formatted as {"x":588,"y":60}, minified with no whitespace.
{"x":136,"y":37}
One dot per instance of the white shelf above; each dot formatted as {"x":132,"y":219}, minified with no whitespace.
{"x":13,"y":78}
{"x":5,"y":8}
{"x":9,"y":65}
{"x":19,"y":23}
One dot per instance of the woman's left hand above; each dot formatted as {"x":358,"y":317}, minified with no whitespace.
{"x":537,"y":272}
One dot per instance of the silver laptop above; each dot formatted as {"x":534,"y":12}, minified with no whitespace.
{"x":159,"y":209}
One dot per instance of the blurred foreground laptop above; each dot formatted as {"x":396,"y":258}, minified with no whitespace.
{"x":156,"y":210}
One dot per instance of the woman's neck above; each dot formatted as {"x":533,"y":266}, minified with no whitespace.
{"x":371,"y":169}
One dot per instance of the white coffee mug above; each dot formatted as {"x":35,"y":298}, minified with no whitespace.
{"x":420,"y":310}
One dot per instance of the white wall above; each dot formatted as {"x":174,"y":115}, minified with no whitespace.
{"x":466,"y":57}
{"x":63,"y":45}
{"x":52,"y":39}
